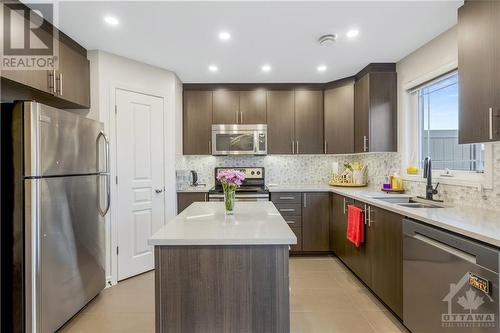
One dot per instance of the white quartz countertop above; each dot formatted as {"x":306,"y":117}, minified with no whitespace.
{"x":205,"y":223}
{"x":476,"y":223}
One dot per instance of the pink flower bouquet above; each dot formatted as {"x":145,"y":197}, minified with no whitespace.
{"x":230,"y":180}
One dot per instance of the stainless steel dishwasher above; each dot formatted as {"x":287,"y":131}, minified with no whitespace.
{"x":450,"y":283}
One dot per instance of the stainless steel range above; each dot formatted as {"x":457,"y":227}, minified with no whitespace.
{"x":253,"y":188}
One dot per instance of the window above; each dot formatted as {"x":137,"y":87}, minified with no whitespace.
{"x":438,"y":128}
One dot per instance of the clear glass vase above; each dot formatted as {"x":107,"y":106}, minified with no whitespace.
{"x":229,"y":194}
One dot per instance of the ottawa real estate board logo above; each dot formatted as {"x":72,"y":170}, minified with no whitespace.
{"x":29,"y":40}
{"x":469,"y":304}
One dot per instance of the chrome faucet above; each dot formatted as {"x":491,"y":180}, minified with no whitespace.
{"x":429,"y":190}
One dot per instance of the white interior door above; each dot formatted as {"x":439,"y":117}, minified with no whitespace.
{"x":140,"y":171}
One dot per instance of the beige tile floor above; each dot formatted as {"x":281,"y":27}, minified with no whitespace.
{"x":325,"y":298}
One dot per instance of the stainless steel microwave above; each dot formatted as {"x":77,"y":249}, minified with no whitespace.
{"x":239,"y":139}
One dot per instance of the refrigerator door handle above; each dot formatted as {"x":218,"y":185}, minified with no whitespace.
{"x":108,"y":196}
{"x":106,"y":174}
{"x":106,"y":150}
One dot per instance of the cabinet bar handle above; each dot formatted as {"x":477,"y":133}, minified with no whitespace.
{"x":287,"y":198}
{"x":366,"y":217}
{"x":365,"y":143}
{"x":297,"y":146}
{"x":241,"y":117}
{"x":326,"y":147}
{"x":293,"y":148}
{"x":60,"y":84}
{"x":209,"y":146}
{"x":54,"y":81}
{"x":290,"y":222}
{"x":305,"y":200}
{"x":287,"y":210}
{"x":345,"y":207}
{"x":491,"y":123}
{"x":51,"y":81}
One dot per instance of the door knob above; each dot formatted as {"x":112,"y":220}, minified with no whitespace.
{"x":158,"y":190}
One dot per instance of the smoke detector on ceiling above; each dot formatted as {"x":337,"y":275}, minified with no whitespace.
{"x":327,"y":40}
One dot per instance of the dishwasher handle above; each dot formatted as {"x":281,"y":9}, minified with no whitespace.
{"x":445,"y":247}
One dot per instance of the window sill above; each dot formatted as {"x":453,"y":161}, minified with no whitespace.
{"x":478,"y":181}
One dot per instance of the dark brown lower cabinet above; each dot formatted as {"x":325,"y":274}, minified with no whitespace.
{"x":184,"y":199}
{"x":298,"y":233}
{"x":338,"y":226}
{"x":385,"y":247}
{"x":378,"y":262}
{"x":289,"y":205}
{"x":358,"y":258}
{"x":316,"y":221}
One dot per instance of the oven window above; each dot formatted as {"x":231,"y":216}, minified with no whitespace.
{"x":234,"y":142}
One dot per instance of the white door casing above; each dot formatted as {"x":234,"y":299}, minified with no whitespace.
{"x":140,"y":177}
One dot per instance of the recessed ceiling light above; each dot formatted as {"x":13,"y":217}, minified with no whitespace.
{"x":213,"y":68}
{"x":321,"y":68}
{"x":352,"y":33}
{"x":266,"y":68}
{"x":111,"y":20}
{"x":224,"y":35}
{"x":327,"y":40}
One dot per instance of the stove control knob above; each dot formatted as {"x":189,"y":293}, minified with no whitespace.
{"x":252,"y":173}
{"x":258,"y":172}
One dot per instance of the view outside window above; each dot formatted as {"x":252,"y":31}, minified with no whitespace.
{"x":438,"y":128}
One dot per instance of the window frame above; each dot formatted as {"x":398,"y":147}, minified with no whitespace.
{"x":411,"y":150}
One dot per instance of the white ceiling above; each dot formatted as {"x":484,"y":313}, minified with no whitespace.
{"x":182,"y":36}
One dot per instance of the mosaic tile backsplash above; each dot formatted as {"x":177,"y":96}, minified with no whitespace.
{"x":291,"y":169}
{"x":317,"y":169}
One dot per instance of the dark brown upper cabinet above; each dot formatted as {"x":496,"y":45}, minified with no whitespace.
{"x":280,"y":122}
{"x":197,"y":120}
{"x":375,"y":110}
{"x":226,"y":107}
{"x":253,"y":108}
{"x":239,"y":107}
{"x":309,"y":122}
{"x":72,"y":78}
{"x":37,"y":79}
{"x":478,"y":67}
{"x":67,"y":86}
{"x":339,"y":118}
{"x":316,"y":222}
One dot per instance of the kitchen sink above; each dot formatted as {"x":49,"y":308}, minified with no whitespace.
{"x":413,"y":202}
{"x":419,"y":205}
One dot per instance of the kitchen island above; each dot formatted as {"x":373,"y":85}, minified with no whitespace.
{"x":218,"y":273}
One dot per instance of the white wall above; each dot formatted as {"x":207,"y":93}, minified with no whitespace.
{"x":109,"y":72}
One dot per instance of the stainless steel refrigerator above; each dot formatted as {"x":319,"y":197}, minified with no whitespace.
{"x":55,"y":194}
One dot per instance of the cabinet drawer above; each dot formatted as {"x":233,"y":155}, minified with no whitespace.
{"x":286,"y":197}
{"x":293,"y":221}
{"x":298,"y":234}
{"x":289,"y":209}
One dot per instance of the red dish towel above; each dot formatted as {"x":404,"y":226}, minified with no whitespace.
{"x":355,"y":225}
